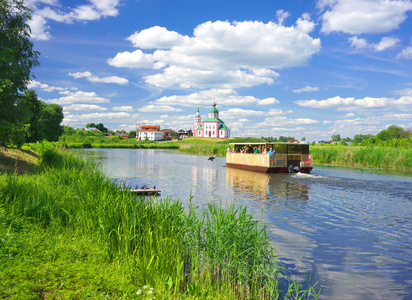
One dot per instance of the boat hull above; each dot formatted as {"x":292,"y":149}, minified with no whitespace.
{"x":266,"y":169}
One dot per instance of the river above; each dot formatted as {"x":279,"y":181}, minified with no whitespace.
{"x":350,"y":230}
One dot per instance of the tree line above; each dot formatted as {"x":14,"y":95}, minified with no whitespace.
{"x":394,"y":136}
{"x":23,"y":117}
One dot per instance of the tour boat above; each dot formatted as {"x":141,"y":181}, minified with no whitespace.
{"x":270,"y":157}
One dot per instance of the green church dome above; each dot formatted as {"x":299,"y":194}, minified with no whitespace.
{"x":213,"y":110}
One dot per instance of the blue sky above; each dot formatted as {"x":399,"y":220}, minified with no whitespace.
{"x":293,"y":68}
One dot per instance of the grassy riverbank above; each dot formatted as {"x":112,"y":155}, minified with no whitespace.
{"x":362,"y":156}
{"x":66,"y":231}
{"x":340,"y":155}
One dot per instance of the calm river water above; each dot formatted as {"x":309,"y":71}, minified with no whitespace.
{"x":351,"y":230}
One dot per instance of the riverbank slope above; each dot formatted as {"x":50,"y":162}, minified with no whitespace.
{"x":67,"y":231}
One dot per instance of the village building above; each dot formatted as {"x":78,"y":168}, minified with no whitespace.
{"x":185,"y":134}
{"x":150,"y":132}
{"x":169,"y":134}
{"x":211,"y":127}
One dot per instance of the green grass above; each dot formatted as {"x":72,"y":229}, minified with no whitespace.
{"x":69,"y":232}
{"x":376,"y":157}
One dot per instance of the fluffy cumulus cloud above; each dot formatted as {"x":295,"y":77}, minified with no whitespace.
{"x":352,"y":103}
{"x":78,"y":97}
{"x":45,"y":10}
{"x":92,"y":78}
{"x":225,"y":97}
{"x":221,"y":54}
{"x":363,"y":16}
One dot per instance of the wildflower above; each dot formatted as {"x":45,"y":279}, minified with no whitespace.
{"x":139,"y":292}
{"x":145,"y":287}
{"x":150,"y":292}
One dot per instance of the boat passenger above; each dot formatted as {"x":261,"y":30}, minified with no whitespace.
{"x":270,"y":152}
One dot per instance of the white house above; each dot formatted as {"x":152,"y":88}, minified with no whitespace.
{"x":151,"y":132}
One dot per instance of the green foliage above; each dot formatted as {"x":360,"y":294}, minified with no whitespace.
{"x":62,"y":236}
{"x":99,"y":127}
{"x":17,"y":58}
{"x":336,"y":138}
{"x":281,"y":139}
{"x":52,"y":116}
{"x":359,"y":138}
{"x":376,"y":157}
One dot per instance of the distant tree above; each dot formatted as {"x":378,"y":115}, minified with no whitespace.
{"x":91,"y":125}
{"x":284,"y":139}
{"x":101,"y":127}
{"x":52,"y":116}
{"x":17,"y":58}
{"x":336,"y":138}
{"x":33,"y":110}
{"x":359,"y":138}
{"x":132,"y":134}
{"x":67,"y":130}
{"x":303,"y":139}
{"x":392,"y":132}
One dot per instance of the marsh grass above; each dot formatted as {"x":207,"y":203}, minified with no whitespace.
{"x":71,"y":232}
{"x":377,"y":157}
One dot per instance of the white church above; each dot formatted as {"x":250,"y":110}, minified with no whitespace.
{"x":212,"y":127}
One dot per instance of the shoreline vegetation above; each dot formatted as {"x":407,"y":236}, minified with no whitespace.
{"x":394,"y":155}
{"x":67,"y":231}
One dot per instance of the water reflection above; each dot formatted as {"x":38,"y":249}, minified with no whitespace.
{"x":351,"y":230}
{"x":268,"y":187}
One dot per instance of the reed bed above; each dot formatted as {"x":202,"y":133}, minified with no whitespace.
{"x":81,"y":224}
{"x":375,"y":157}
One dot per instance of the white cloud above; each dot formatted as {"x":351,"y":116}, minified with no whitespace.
{"x":44,"y":10}
{"x":349,"y":115}
{"x":158,"y":108}
{"x":44,"y":87}
{"x":282,"y":15}
{"x":404,"y":92}
{"x":225,"y":97}
{"x":123,"y":108}
{"x":405,"y":53}
{"x":96,"y":116}
{"x":306,"y":89}
{"x":385,"y":43}
{"x":39,"y":28}
{"x":156,"y":37}
{"x":358,"y":43}
{"x":238,"y":112}
{"x":363,"y":16}
{"x":220,"y":54}
{"x":136,"y":59}
{"x":351,"y":103}
{"x":80,"y":107}
{"x":304,"y":24}
{"x":78,"y":97}
{"x":92,"y":78}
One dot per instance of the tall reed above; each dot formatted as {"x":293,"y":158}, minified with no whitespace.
{"x":218,"y":253}
{"x":378,"y":157}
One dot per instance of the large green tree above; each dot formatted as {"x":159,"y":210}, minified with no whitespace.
{"x":51,"y":117}
{"x":17,"y":58}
